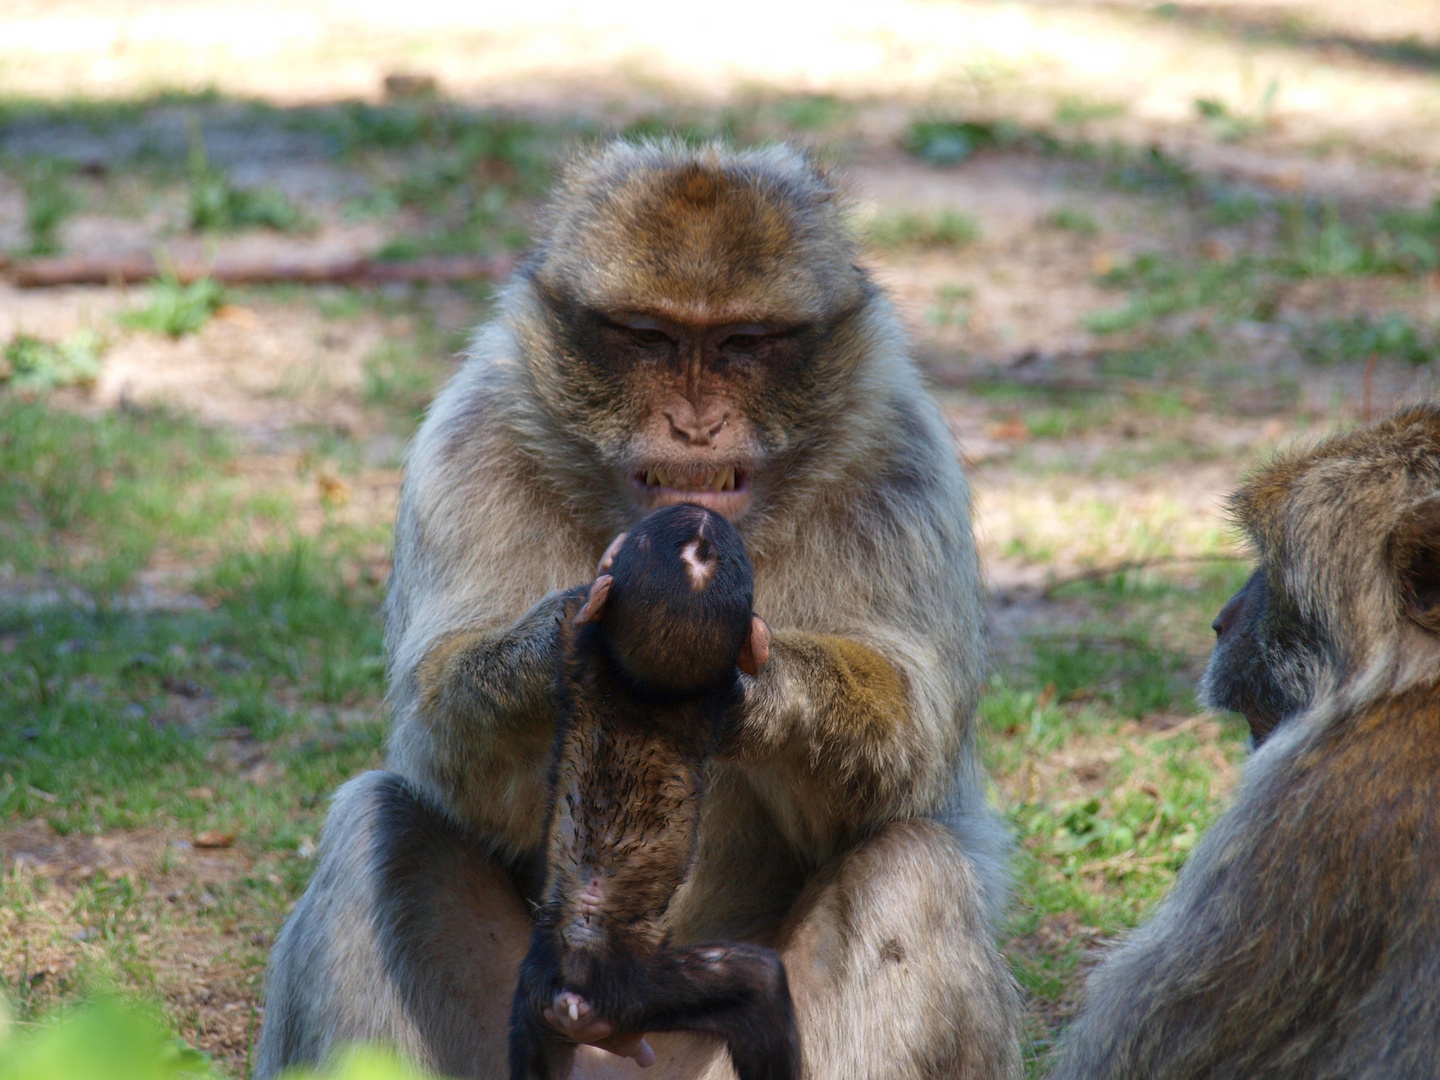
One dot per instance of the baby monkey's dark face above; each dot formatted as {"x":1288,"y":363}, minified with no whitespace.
{"x":676,"y":615}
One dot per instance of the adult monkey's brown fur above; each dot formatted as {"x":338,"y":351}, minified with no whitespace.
{"x":687,"y":313}
{"x":1303,"y":938}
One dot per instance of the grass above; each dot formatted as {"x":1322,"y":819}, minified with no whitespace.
{"x":175,"y":308}
{"x":90,"y":501}
{"x":217,"y":205}
{"x":1394,"y":336}
{"x":923,"y":228}
{"x":32,"y":365}
{"x":49,"y":200}
{"x":949,"y":141}
{"x":224,"y":719}
{"x":1316,"y":242}
{"x":1073,"y":219}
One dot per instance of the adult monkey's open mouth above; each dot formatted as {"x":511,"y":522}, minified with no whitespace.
{"x":725,"y":490}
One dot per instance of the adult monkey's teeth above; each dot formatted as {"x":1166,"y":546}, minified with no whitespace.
{"x":729,"y":481}
{"x":651,"y":479}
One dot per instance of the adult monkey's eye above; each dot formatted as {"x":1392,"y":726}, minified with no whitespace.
{"x":644,"y":335}
{"x":743,"y":343}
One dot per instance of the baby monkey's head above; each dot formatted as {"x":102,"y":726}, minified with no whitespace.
{"x":676,"y":612}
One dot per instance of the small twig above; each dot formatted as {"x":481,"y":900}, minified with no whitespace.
{"x":1126,"y":861}
{"x":1154,"y":792}
{"x":1131,"y":564}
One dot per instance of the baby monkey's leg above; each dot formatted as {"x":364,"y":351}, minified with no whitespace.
{"x":735,"y":990}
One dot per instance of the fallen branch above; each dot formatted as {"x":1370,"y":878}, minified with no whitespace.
{"x":251,"y":270}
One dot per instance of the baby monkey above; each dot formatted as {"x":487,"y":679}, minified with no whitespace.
{"x":649,"y":665}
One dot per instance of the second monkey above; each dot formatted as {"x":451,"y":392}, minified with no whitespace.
{"x":650,"y":659}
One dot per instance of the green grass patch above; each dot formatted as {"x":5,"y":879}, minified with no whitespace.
{"x":49,"y":200}
{"x":91,"y":498}
{"x":949,"y":141}
{"x":176,"y":309}
{"x":1391,"y":337}
{"x":1320,"y":243}
{"x":811,"y":112}
{"x":126,"y":712}
{"x":217,"y":205}
{"x":923,"y":228}
{"x":33,"y":365}
{"x":1133,"y":677}
{"x":1161,"y":286}
{"x":1073,"y":109}
{"x":1163,"y":357}
{"x":1072,"y":219}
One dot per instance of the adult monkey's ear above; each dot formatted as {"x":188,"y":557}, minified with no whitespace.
{"x":755,"y":653}
{"x":594,"y":607}
{"x":1415,"y":555}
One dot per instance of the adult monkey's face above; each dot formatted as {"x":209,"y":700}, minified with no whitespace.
{"x":700,"y":311}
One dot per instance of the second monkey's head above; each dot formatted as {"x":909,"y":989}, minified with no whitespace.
{"x":675,"y":613}
{"x":694,"y":322}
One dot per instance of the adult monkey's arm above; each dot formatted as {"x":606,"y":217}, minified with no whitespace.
{"x":869,"y":721}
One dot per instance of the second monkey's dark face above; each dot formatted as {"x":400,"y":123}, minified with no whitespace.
{"x":1262,"y":660}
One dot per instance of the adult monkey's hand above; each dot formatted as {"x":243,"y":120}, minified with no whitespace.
{"x":572,"y":1016}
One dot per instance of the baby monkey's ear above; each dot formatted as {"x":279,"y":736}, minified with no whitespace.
{"x":755,"y":653}
{"x":608,"y":559}
{"x":594,"y":603}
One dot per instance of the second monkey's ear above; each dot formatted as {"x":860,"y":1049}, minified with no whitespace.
{"x":594,"y":607}
{"x":755,"y":653}
{"x":1415,"y":554}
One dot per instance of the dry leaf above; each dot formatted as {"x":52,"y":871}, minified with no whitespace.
{"x":214,"y":838}
{"x":241,"y":316}
{"x":1008,"y":429}
{"x":333,"y":490}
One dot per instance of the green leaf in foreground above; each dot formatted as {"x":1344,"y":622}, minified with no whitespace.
{"x":109,"y":1039}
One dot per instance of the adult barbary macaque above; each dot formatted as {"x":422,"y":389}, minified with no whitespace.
{"x":1303,"y":937}
{"x":649,"y":662}
{"x":691,"y":327}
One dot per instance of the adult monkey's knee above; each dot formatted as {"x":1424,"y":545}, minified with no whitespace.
{"x":406,"y":934}
{"x":893,"y":968}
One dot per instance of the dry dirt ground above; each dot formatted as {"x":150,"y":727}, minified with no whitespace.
{"x":1247,"y":237}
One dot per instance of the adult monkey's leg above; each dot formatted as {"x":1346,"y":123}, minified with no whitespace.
{"x":892,"y":968}
{"x":409,"y":935}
